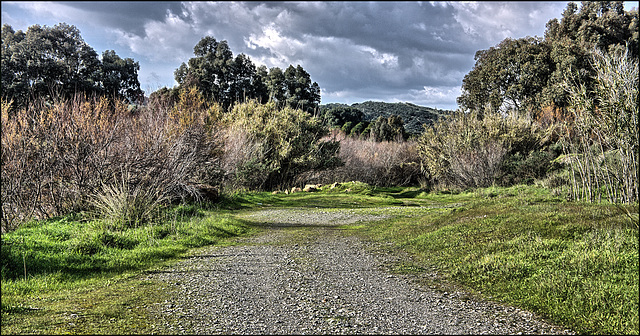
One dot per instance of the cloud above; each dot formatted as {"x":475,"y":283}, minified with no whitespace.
{"x":386,"y":51}
{"x":492,"y":22}
{"x":162,"y":40}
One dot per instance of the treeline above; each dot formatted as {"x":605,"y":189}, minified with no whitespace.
{"x":55,"y":62}
{"x":225,"y":79}
{"x":413,"y":117}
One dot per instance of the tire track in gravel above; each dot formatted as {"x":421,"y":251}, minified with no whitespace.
{"x":306,"y":276}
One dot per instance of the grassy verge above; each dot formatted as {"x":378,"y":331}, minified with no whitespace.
{"x":574,"y":263}
{"x":67,"y":275}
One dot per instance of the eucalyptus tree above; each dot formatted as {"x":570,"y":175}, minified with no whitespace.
{"x":119,"y":77}
{"x":226,"y":79}
{"x":301,"y":92}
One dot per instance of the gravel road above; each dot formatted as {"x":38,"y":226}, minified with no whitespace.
{"x":306,"y":276}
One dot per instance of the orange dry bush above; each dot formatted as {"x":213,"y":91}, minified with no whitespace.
{"x":386,"y":163}
{"x":57,"y":157}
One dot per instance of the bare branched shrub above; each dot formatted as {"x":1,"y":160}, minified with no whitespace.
{"x":58,"y":157}
{"x":467,"y":150}
{"x":385,"y":163}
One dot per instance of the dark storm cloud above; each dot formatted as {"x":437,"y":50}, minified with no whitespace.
{"x":389,"y":51}
{"x":129,"y":16}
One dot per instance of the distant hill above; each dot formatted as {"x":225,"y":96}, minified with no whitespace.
{"x":414,"y":116}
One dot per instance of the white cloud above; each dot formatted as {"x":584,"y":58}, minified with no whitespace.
{"x":494,"y":21}
{"x":167,"y":40}
{"x":386,"y":51}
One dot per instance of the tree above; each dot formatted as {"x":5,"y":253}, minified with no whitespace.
{"x":599,"y":24}
{"x":510,"y":76}
{"x":228,"y":80}
{"x":388,"y":129}
{"x":527,"y":74}
{"x":119,"y":77}
{"x":55,"y":62}
{"x":280,"y":144}
{"x":300,"y":92}
{"x":221,"y":77}
{"x":338,"y":116}
{"x":359,"y":129}
{"x":276,"y":86}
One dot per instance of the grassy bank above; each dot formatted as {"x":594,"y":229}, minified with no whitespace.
{"x":68,"y":275}
{"x":574,"y":263}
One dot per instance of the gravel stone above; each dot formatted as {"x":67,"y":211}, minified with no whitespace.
{"x":323,"y":281}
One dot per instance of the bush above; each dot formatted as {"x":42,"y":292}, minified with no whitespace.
{"x":385,"y":163}
{"x":267,"y":147}
{"x":56,"y":158}
{"x":604,"y":138}
{"x":466,"y":150}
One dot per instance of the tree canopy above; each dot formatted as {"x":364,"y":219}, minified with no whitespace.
{"x":56,"y":61}
{"x":227,"y":79}
{"x":526,"y":74}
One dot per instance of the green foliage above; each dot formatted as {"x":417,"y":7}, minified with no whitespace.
{"x":359,"y":129}
{"x":414,"y":116}
{"x":527,"y":167}
{"x":283,"y":143}
{"x":526,"y":74}
{"x":509,"y":76}
{"x":596,"y":24}
{"x":346,"y":128}
{"x":300,"y":92}
{"x":226,"y":80}
{"x":120,"y":77}
{"x":56,"y":62}
{"x":388,"y":129}
{"x":466,"y":150}
{"x":338,"y":116}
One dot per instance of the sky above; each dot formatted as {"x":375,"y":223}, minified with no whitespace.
{"x":416,"y":52}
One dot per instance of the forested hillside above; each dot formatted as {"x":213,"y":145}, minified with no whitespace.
{"x":413,"y":116}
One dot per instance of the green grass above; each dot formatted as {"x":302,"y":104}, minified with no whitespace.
{"x":574,"y":263}
{"x":67,"y":266}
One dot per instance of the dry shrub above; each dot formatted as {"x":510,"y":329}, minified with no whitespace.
{"x":468,"y":150}
{"x":604,"y":139}
{"x":59,"y":157}
{"x":385,"y":163}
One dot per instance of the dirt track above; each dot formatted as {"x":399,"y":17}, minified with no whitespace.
{"x":306,"y":276}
